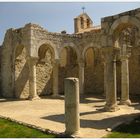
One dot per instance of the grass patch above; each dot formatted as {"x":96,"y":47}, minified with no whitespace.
{"x":10,"y":129}
{"x":131,"y":130}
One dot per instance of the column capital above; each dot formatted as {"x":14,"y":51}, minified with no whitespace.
{"x":32,"y":60}
{"x":55,"y":61}
{"x":81,"y":64}
{"x":124,"y":57}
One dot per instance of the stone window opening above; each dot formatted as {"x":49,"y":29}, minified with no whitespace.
{"x":88,"y":23}
{"x":82,"y":23}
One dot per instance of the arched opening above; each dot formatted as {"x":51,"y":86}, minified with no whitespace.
{"x":21,"y":89}
{"x":93,"y":71}
{"x":125,"y":38}
{"x":82,"y":22}
{"x":88,"y":23}
{"x":68,"y":66}
{"x":89,"y":70}
{"x":44,"y":70}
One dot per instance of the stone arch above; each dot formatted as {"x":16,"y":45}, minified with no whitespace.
{"x":43,"y":49}
{"x":70,"y":56}
{"x":118,"y":25}
{"x":124,"y":20}
{"x":44,"y":69}
{"x":118,"y":30}
{"x":90,"y":45}
{"x":72,"y":46}
{"x":70,"y":69}
{"x":51,"y":46}
{"x":86,"y":48}
{"x":94,"y":72}
{"x":21,"y":72}
{"x":89,"y":56}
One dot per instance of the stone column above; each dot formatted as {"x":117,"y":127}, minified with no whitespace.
{"x":81,"y":77}
{"x":104,"y":93}
{"x":125,"y":81}
{"x":55,"y":78}
{"x":32,"y":79}
{"x":72,"y":121}
{"x":110,"y":85}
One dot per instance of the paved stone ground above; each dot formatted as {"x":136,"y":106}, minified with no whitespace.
{"x":49,"y":113}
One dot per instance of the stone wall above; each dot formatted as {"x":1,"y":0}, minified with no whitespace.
{"x":112,"y":27}
{"x":0,"y":70}
{"x":15,"y":72}
{"x":44,"y":75}
{"x":134,"y":68}
{"x":21,"y":74}
{"x":94,"y":73}
{"x":134,"y":75}
{"x":6,"y":66}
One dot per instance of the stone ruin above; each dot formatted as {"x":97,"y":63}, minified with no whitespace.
{"x":106,"y":59}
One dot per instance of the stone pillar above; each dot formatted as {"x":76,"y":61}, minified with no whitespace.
{"x":32,"y":79}
{"x":110,"y":84}
{"x":104,"y":93}
{"x":72,"y":121}
{"x":81,"y":77}
{"x":125,"y":81}
{"x":55,"y":78}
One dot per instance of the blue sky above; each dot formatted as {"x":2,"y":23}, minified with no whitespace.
{"x":57,"y":16}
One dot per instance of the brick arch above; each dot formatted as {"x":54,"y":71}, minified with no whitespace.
{"x":124,"y":20}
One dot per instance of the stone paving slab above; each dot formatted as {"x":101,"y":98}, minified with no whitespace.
{"x":48,"y":113}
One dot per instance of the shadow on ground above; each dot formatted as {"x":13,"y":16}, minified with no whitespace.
{"x":85,"y":98}
{"x":96,"y":124}
{"x":41,"y":97}
{"x":10,"y":100}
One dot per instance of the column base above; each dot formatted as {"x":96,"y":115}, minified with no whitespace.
{"x":75,"y":134}
{"x":126,"y":102}
{"x":111,"y":108}
{"x":34,"y":98}
{"x":55,"y":95}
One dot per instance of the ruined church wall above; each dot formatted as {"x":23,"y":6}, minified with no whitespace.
{"x":13,"y":70}
{"x":94,"y":76}
{"x":134,"y":68}
{"x":0,"y":69}
{"x":45,"y":71}
{"x":134,"y":75}
{"x":94,"y":73}
{"x":6,"y":65}
{"x":21,"y":78}
{"x":44,"y":76}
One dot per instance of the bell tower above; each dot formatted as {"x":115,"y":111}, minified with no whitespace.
{"x":82,"y":22}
